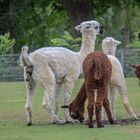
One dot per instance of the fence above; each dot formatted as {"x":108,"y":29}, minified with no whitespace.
{"x":10,"y":69}
{"x":126,"y":57}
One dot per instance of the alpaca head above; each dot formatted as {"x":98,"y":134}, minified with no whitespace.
{"x":90,"y":27}
{"x":75,"y":111}
{"x":109,"y":45}
{"x":137,"y":71}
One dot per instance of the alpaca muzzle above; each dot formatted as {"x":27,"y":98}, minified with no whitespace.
{"x":101,"y":30}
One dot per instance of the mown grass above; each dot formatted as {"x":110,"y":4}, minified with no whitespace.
{"x":13,"y":117}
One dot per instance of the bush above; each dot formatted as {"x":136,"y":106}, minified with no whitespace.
{"x":67,"y":41}
{"x":6,"y":43}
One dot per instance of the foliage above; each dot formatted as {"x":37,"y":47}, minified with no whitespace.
{"x":67,"y":41}
{"x":41,"y":21}
{"x":6,"y":43}
{"x":135,"y":43}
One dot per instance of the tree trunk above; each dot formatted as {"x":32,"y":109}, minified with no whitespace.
{"x":126,"y":30}
{"x":14,"y":23}
{"x":78,"y":11}
{"x":4,"y":20}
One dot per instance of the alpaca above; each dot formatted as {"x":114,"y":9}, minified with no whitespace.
{"x":54,"y":66}
{"x":109,"y":45}
{"x":137,"y":71}
{"x":97,"y":73}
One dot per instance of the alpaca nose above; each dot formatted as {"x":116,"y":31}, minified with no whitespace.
{"x":101,"y":30}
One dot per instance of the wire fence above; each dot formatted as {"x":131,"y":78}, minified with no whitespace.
{"x":10,"y":69}
{"x":126,"y":57}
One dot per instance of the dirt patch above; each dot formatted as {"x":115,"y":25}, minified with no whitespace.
{"x":124,"y":122}
{"x":135,"y":131}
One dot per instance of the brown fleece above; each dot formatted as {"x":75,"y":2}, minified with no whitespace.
{"x":97,"y":72}
{"x":137,"y":71}
{"x":77,"y":106}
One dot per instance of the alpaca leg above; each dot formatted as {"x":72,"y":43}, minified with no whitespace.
{"x":28,"y":106}
{"x":112,"y":101}
{"x":123,"y":92}
{"x":98,"y":108}
{"x":107,"y":109}
{"x":90,"y":109}
{"x":46,"y":103}
{"x":91,"y":101}
{"x":104,"y":115}
{"x":68,"y":86}
{"x":56,"y":98}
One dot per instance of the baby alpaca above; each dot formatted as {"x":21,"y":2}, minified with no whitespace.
{"x":97,"y":73}
{"x":109,"y":45}
{"x":54,"y":66}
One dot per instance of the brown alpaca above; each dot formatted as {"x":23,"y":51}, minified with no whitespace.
{"x":137,"y":71}
{"x":97,"y":72}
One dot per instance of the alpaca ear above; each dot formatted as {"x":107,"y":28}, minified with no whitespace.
{"x":118,"y":42}
{"x":133,"y":66}
{"x":97,"y":75}
{"x":78,"y":27}
{"x":65,"y":106}
{"x":108,"y":41}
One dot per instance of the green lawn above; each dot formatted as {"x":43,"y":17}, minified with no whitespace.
{"x":13,"y":117}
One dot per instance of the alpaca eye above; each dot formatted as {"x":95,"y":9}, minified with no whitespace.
{"x":87,"y":27}
{"x":96,"y":27}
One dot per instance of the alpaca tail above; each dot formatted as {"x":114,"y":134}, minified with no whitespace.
{"x":25,"y":62}
{"x":24,"y":58}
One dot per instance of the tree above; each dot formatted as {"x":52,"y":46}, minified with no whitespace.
{"x":35,"y":23}
{"x":78,"y":11}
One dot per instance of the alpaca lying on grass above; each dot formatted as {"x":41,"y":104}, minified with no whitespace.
{"x":97,"y":73}
{"x":137,"y":71}
{"x":54,"y":66}
{"x":109,"y":45}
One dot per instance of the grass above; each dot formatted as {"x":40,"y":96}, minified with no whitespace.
{"x":13,"y":117}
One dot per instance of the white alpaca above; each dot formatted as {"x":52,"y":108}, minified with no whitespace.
{"x":109,"y":45}
{"x":52,"y":66}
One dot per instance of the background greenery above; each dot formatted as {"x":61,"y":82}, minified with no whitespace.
{"x":37,"y":23}
{"x":13,"y":117}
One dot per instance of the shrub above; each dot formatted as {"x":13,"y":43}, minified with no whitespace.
{"x":67,"y":41}
{"x":6,"y":43}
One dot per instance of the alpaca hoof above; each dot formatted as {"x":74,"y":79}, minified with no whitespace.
{"x":58,"y":121}
{"x":90,"y":126}
{"x":29,"y":124}
{"x":137,"y":118}
{"x":113,"y":122}
{"x":89,"y":123}
{"x":100,"y":125}
{"x":70,"y":120}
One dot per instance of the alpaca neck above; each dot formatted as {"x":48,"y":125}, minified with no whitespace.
{"x":81,"y":97}
{"x":88,"y":42}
